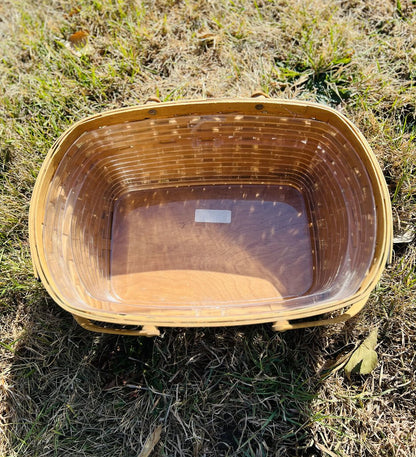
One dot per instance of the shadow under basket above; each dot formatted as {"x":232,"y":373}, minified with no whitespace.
{"x":210,"y":213}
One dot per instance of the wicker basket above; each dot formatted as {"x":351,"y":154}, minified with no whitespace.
{"x":210,"y":213}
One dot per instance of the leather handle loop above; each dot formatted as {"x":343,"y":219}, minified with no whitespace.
{"x":153,"y":99}
{"x":259,"y":93}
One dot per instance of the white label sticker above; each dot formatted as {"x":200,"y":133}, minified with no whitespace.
{"x":215,"y":216}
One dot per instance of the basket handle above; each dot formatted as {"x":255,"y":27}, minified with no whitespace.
{"x":146,"y":330}
{"x":153,"y":99}
{"x":282,"y":326}
{"x":259,"y":93}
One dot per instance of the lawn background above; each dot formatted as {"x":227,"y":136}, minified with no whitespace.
{"x":215,"y":392}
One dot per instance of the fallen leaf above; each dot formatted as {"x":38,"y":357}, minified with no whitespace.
{"x":364,"y":359}
{"x":208,"y":38}
{"x":151,"y":442}
{"x":79,"y":38}
{"x":404,"y":237}
{"x":332,"y":366}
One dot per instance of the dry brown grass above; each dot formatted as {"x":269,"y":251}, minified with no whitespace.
{"x":216,"y":392}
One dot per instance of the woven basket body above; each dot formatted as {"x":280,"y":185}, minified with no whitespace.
{"x":210,"y":213}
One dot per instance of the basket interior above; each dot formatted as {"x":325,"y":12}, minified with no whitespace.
{"x":209,"y":211}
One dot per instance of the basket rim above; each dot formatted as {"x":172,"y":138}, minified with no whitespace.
{"x":170,"y":109}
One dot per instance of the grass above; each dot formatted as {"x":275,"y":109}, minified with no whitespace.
{"x":216,"y":392}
